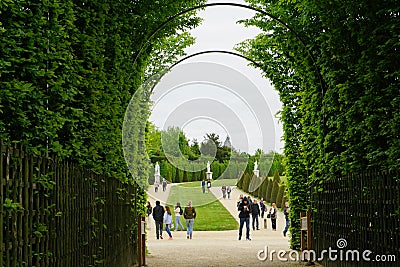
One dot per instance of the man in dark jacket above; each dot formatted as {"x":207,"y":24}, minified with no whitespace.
{"x":255,"y":212}
{"x":244,"y":217}
{"x":158,"y":215}
{"x":286,"y":211}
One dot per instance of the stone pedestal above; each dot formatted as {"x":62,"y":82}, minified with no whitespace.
{"x":156,"y":179}
{"x":257,"y":173}
{"x":209,"y":175}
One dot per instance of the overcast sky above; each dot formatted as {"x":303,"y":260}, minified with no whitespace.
{"x":217,"y":92}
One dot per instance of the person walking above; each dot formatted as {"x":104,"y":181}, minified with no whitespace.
{"x":228,"y":191}
{"x":273,"y":213}
{"x":164,"y":185}
{"x":203,"y":186}
{"x":149,"y":211}
{"x":178,"y":212}
{"x":158,"y":216}
{"x":262,"y":207}
{"x":208,"y":186}
{"x":189,"y":214}
{"x":244,"y":217}
{"x":255,"y":213}
{"x":223,"y":189}
{"x":286,"y":211}
{"x":156,"y":185}
{"x":167,"y":221}
{"x":240,"y":200}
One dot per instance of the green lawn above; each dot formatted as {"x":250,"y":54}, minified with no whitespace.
{"x":211,"y":214}
{"x":219,"y":182}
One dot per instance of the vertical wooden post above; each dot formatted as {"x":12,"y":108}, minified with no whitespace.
{"x":303,"y":239}
{"x":14,"y":215}
{"x":25,"y":204}
{"x":30,"y":208}
{"x":1,"y":202}
{"x":309,"y":240}
{"x":7,"y":181}
{"x":139,"y":240}
{"x":143,"y":234}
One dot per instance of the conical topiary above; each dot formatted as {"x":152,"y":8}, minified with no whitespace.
{"x":277,"y":178}
{"x":275,"y":189}
{"x":185,"y":177}
{"x":168,"y":177}
{"x":269,"y":191}
{"x":279,"y":197}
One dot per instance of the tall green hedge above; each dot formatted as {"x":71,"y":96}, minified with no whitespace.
{"x":340,"y":108}
{"x":68,"y":72}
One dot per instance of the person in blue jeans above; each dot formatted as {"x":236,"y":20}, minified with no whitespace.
{"x":244,"y":217}
{"x":178,"y":212}
{"x":168,"y":221}
{"x":286,"y":210}
{"x":189,"y":214}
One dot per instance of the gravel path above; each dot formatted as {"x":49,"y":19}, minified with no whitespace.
{"x":218,"y":248}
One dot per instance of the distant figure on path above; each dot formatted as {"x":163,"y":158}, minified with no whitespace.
{"x":203,"y":186}
{"x":286,"y":211}
{"x":164,"y":185}
{"x":149,"y":211}
{"x":189,"y":214}
{"x":178,"y":212}
{"x":223,"y":189}
{"x":156,"y":185}
{"x":158,"y":215}
{"x":168,"y":221}
{"x":255,"y":212}
{"x":229,"y":190}
{"x":273,"y":213}
{"x":262,"y":207}
{"x":208,"y":186}
{"x":244,"y":217}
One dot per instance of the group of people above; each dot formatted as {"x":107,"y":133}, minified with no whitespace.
{"x":204,"y":184}
{"x":248,"y":207}
{"x":163,"y":183}
{"x":226,"y":190}
{"x":163,"y":216}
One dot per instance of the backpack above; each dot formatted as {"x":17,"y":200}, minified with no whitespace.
{"x":149,"y":210}
{"x":190,"y":213}
{"x":180,"y":211}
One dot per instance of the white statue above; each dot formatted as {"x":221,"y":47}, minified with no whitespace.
{"x":157,"y":169}
{"x":208,"y":166}
{"x":256,"y":165}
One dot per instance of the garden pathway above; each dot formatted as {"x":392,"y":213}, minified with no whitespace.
{"x":218,"y":248}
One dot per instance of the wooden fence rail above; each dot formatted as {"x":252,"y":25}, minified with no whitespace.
{"x":54,"y":213}
{"x":363,"y":210}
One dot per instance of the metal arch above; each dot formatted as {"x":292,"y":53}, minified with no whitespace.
{"x":303,"y":43}
{"x":214,"y":51}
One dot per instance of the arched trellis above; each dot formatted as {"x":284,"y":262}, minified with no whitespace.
{"x":298,"y":37}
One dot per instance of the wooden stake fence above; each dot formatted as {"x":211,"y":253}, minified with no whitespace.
{"x":54,"y":213}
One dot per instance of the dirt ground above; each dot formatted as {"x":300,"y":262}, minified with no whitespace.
{"x":211,"y":249}
{"x":218,"y":248}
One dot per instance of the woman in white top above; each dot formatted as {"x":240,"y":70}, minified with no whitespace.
{"x":273,"y":213}
{"x":178,"y":212}
{"x":168,"y":221}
